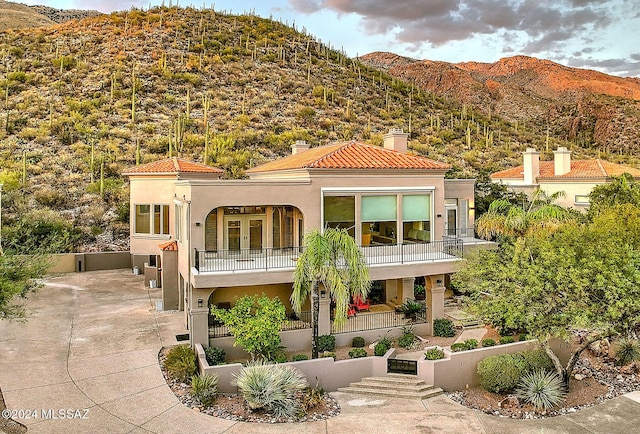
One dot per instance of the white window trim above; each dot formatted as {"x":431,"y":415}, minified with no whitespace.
{"x":151,"y":233}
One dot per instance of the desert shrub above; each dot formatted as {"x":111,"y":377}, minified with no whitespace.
{"x":471,"y":344}
{"x":406,"y":340}
{"x":434,"y":354}
{"x":459,"y":346}
{"x":328,"y":354}
{"x":326,"y":343}
{"x":272,"y":388}
{"x":357,"y":342}
{"x":312,"y":396}
{"x":488,"y":342}
{"x":524,"y":337}
{"x":357,"y":352}
{"x":299,"y":357}
{"x":507,"y":340}
{"x":215,"y":355}
{"x":503,"y":372}
{"x":443,"y":327}
{"x":385,"y":340}
{"x":541,"y":388}
{"x":380,"y":349}
{"x":181,"y":363}
{"x":205,"y":388}
{"x":626,"y":350}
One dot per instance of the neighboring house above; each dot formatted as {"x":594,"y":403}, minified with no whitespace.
{"x":208,"y":241}
{"x":576,"y":178}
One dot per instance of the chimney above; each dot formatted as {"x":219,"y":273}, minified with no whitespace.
{"x":531,"y":161}
{"x":299,"y":146}
{"x":396,"y":140}
{"x":561,"y":161}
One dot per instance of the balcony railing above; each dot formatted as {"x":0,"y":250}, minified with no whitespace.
{"x":277,"y":259}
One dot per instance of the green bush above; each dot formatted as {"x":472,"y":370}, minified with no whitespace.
{"x":625,"y":351}
{"x":299,"y":357}
{"x":215,"y":355}
{"x":488,"y":342}
{"x":357,"y":352}
{"x":443,"y":327}
{"x":181,"y":363}
{"x":541,"y":388}
{"x":357,"y":342}
{"x":328,"y":354}
{"x":434,"y":354}
{"x":457,"y":347}
{"x":272,"y":388}
{"x":381,"y":349}
{"x":471,"y":344}
{"x":503,"y":372}
{"x":326,"y":343}
{"x":386,"y":341}
{"x":406,"y":340}
{"x":507,"y":340}
{"x":524,"y":337}
{"x":205,"y":388}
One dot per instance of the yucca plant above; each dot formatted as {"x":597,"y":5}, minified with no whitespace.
{"x":542,"y":389}
{"x":204,"y":387}
{"x":273,"y":388}
{"x":626,"y":350}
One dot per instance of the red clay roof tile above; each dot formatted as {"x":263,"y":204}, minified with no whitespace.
{"x":171,"y":246}
{"x":350,"y":155}
{"x":171,"y":166}
{"x":579,"y":169}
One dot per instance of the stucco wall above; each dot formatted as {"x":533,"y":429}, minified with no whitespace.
{"x":70,"y":262}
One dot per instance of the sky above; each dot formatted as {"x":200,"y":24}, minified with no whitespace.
{"x":594,"y":34}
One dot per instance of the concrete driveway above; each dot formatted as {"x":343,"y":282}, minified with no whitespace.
{"x":86,"y":361}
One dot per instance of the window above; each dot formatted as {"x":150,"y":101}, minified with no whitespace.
{"x":416,"y":218}
{"x":379,"y":217}
{"x":156,"y":224}
{"x":582,"y":199}
{"x":340,"y":212}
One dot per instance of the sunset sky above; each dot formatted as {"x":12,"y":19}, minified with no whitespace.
{"x":593,"y":34}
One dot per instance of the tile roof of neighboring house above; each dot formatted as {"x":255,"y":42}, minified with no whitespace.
{"x":171,"y":166}
{"x":588,"y":169}
{"x":350,"y":155}
{"x":170,"y":246}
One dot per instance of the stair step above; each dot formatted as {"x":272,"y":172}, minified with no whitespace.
{"x":392,"y":393}
{"x":400,"y":381}
{"x":398,"y":388}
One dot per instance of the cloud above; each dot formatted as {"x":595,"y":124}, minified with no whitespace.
{"x":622,"y":67}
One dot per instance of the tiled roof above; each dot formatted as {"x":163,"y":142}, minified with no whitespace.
{"x":579,"y":169}
{"x":171,"y":246}
{"x":350,"y":155}
{"x":171,"y":166}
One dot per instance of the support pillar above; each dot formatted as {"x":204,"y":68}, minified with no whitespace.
{"x":391,"y":291}
{"x":324,"y":318}
{"x":434,"y":297}
{"x":199,"y":322}
{"x":407,"y":288}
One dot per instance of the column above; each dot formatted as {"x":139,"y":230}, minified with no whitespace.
{"x":407,"y":288}
{"x":391,"y":291}
{"x":199,"y":322}
{"x":434,"y":297}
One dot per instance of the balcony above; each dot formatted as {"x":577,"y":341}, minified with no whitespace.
{"x":270,"y":259}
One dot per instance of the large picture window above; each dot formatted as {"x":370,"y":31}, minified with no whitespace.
{"x":416,"y":218}
{"x":340,"y":212}
{"x":152,"y":219}
{"x":379,"y":218}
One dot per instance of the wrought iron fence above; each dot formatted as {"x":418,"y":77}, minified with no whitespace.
{"x":376,"y":320}
{"x":282,"y":258}
{"x":294,"y":322}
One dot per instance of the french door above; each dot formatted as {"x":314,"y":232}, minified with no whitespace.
{"x":245,"y":233}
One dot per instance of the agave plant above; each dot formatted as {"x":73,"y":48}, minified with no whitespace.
{"x":626,"y":350}
{"x":273,"y":388}
{"x":541,"y":388}
{"x":204,"y":388}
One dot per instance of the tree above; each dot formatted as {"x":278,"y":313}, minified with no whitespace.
{"x":584,"y":276}
{"x":503,"y":218}
{"x":621,"y":190}
{"x":19,"y":276}
{"x":255,"y":323}
{"x":488,"y":191}
{"x":334,"y":260}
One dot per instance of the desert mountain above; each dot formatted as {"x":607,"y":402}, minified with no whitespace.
{"x":84,"y":99}
{"x":575,"y":104}
{"x":17,"y":15}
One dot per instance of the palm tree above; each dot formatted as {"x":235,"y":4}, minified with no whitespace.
{"x":333,"y":259}
{"x":507,"y":219}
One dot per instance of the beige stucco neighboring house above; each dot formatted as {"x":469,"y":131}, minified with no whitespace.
{"x":227,"y":238}
{"x":576,"y":178}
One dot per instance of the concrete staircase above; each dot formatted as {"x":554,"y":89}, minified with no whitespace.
{"x":393,"y":386}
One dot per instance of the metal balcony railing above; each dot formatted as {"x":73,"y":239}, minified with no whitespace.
{"x":212,"y":261}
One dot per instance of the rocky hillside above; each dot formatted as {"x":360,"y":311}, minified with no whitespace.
{"x":17,"y":15}
{"x":590,"y":108}
{"x":85,"y":99}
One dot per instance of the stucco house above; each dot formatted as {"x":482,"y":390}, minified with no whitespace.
{"x":574,"y":177}
{"x":207,"y":241}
